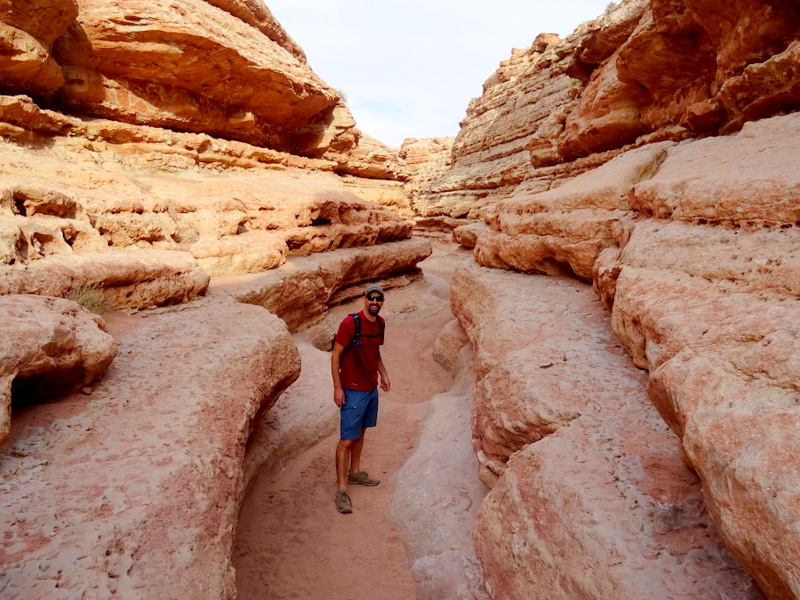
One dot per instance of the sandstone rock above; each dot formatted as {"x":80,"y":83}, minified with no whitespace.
{"x":645,"y":71}
{"x":467,"y":235}
{"x":217,"y":74}
{"x":259,"y":16}
{"x":134,"y":491}
{"x":511,"y":134}
{"x":598,"y":511}
{"x":426,"y":160}
{"x":448,"y":345}
{"x":586,"y":478}
{"x":567,"y":225}
{"x":388,"y":194}
{"x":372,"y":159}
{"x":28,"y":30}
{"x":741,"y":179}
{"x":703,"y":297}
{"x":124,"y":280}
{"x":249,"y":252}
{"x":437,"y":502}
{"x":301,"y":291}
{"x":299,"y":419}
{"x":51,"y":346}
{"x":57,"y":205}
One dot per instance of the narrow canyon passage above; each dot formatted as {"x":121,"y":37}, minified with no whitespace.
{"x":291,"y":541}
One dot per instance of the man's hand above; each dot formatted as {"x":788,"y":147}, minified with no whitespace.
{"x":385,"y":383}
{"x":338,"y":396}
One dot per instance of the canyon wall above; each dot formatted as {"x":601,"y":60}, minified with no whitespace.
{"x":181,"y":162}
{"x":650,"y":154}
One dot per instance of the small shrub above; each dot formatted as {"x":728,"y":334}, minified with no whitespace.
{"x":90,"y":297}
{"x":611,"y":6}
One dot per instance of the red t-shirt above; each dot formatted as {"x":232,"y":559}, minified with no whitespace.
{"x":359,"y":366}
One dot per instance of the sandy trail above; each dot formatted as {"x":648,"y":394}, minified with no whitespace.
{"x":292,"y":543}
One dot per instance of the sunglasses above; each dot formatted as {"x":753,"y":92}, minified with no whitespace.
{"x":375,"y":298}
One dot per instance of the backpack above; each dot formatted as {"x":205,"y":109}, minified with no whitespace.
{"x":357,"y":335}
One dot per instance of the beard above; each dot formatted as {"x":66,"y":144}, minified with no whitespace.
{"x":374,"y":309}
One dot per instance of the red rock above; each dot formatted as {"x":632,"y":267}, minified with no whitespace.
{"x":134,"y":491}
{"x":51,"y":346}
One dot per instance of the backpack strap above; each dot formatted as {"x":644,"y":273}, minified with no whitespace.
{"x":357,"y":335}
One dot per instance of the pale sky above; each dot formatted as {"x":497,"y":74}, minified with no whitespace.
{"x":408,"y":68}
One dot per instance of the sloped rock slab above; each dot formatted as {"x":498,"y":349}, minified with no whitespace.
{"x":133,"y":492}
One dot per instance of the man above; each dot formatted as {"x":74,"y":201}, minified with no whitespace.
{"x":357,"y":369}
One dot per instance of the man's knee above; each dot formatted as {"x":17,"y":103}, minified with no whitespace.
{"x":346,"y":443}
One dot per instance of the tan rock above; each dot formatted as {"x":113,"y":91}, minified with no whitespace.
{"x":564,"y":229}
{"x":703,"y":296}
{"x":259,"y":16}
{"x":301,"y":418}
{"x":134,"y":491}
{"x":597,"y":498}
{"x":68,"y":200}
{"x":217,"y":74}
{"x":467,"y":235}
{"x":608,"y":116}
{"x":427,"y":159}
{"x":448,"y":345}
{"x":123,"y":280}
{"x":585,"y":476}
{"x":250,"y":252}
{"x":301,"y":290}
{"x":28,"y":29}
{"x":746,"y":178}
{"x":437,"y":501}
{"x":51,"y":346}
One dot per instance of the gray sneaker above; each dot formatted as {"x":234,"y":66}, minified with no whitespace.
{"x":361,"y":478}
{"x":343,"y":504}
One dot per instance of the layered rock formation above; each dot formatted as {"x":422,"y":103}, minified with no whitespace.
{"x":426,"y":160}
{"x":662,"y":172}
{"x":644,"y":71}
{"x":233,"y":93}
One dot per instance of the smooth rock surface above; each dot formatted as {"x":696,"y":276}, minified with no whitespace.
{"x":133,"y":491}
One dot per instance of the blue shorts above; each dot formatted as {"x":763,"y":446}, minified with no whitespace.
{"x":360,"y":410}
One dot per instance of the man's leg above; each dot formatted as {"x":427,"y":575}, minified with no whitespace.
{"x":343,"y":504}
{"x":355,"y":453}
{"x":344,"y":451}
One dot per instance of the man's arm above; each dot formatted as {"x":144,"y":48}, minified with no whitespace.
{"x":336,"y":359}
{"x":386,"y":385}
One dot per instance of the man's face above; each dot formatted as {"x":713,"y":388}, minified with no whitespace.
{"x":373,"y":303}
